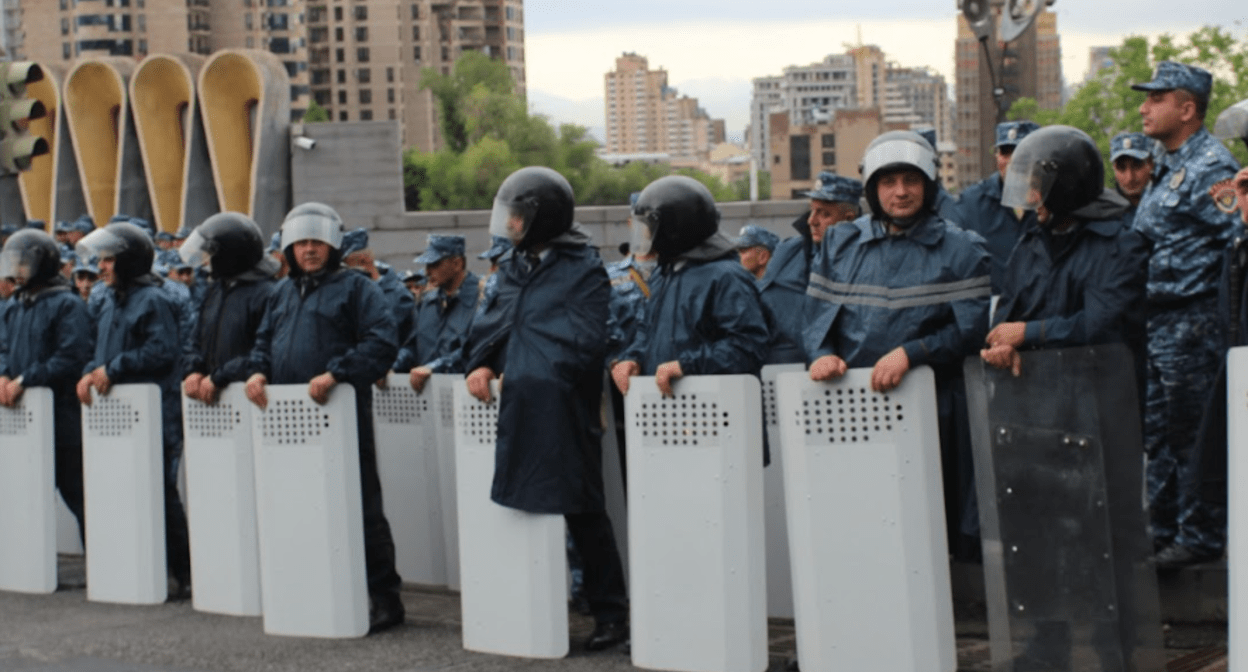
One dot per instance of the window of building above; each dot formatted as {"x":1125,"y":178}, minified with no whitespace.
{"x":66,"y":51}
{"x":280,"y":45}
{"x":390,"y":96}
{"x":321,"y":97}
{"x":366,"y":96}
{"x":363,"y":75}
{"x":251,"y":42}
{"x":446,"y":53}
{"x":392,"y":114}
{"x":828,"y":140}
{"x":511,"y":33}
{"x":279,"y":22}
{"x":416,"y":54}
{"x":339,"y":35}
{"x":415,"y":33}
{"x":338,"y":16}
{"x":829,"y":158}
{"x":142,"y":21}
{"x":340,"y":55}
{"x":342,"y":116}
{"x":342,"y":76}
{"x":361,"y":12}
{"x":366,"y":115}
{"x":361,"y":54}
{"x":361,"y":34}
{"x":510,"y":13}
{"x":511,"y":53}
{"x":65,"y":5}
{"x":390,"y":75}
{"x":342,"y":96}
{"x":415,"y":11}
{"x":64,"y":26}
{"x":799,"y":157}
{"x":247,"y":20}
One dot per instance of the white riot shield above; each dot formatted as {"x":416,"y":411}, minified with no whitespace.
{"x":28,"y":494}
{"x":513,"y":564}
{"x":124,"y":494}
{"x":221,"y":503}
{"x":442,"y":387}
{"x":779,"y":572}
{"x":1068,"y":572}
{"x":407,"y":461}
{"x":309,"y":514}
{"x":866,"y":524}
{"x":1237,"y":504}
{"x":613,"y":491}
{"x":696,"y":537}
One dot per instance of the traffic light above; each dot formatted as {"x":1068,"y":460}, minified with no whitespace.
{"x":17,"y":145}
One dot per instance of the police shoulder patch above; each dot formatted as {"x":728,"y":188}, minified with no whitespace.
{"x":1223,"y":195}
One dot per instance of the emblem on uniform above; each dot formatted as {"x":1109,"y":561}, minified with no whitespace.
{"x":1177,"y":179}
{"x":1223,"y":195}
{"x":1126,"y":143}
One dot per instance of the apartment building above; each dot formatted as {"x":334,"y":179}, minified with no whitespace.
{"x":646,"y":116}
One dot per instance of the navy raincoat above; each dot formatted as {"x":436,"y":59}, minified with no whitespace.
{"x":544,"y":325}
{"x":229,"y":318}
{"x":981,"y":211}
{"x":783,"y":290}
{"x":441,"y":325}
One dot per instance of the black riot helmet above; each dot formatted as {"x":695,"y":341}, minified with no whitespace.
{"x":893,"y":152}
{"x":673,"y":215}
{"x":231,"y":240}
{"x":129,"y":246}
{"x":534,"y":205}
{"x":1057,"y":166}
{"x":30,"y":257}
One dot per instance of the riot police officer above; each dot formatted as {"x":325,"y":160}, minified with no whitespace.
{"x":543,"y":323}
{"x":755,"y":246}
{"x":45,"y":340}
{"x":137,"y":342}
{"x":446,"y":310}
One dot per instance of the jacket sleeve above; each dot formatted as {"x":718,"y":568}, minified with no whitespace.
{"x":1113,"y":301}
{"x":72,"y":332}
{"x":820,"y":309}
{"x":239,"y":367}
{"x":260,"y":359}
{"x":969,"y":299}
{"x":375,"y":339}
{"x":406,"y":359}
{"x":734,"y":317}
{"x":155,"y":330}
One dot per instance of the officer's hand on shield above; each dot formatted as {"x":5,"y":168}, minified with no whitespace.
{"x":622,"y":371}
{"x":319,"y":387}
{"x":1007,"y":333}
{"x":1241,"y":193}
{"x":1003,"y":357}
{"x":665,"y":375}
{"x":100,"y":381}
{"x":479,"y":383}
{"x":6,"y":397}
{"x":889,"y":371}
{"x":828,"y":367}
{"x":84,"y":390}
{"x":208,"y":391}
{"x":255,"y":390}
{"x":190,"y":385}
{"x":419,"y":376}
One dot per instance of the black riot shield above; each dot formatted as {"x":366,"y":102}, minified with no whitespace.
{"x":1059,"y":471}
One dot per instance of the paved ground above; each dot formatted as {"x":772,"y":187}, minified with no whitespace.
{"x":65,"y":633}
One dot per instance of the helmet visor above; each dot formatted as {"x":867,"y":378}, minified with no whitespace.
{"x":18,"y":262}
{"x":102,"y":243}
{"x":197,"y":250}
{"x":1028,"y":181}
{"x":311,"y":226}
{"x":512,"y":220}
{"x":645,"y":227}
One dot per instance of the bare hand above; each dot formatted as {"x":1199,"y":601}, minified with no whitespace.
{"x":419,"y":376}
{"x":319,"y":387}
{"x":889,"y":371}
{"x":828,"y":367}
{"x":479,"y":384}
{"x":1241,"y":193}
{"x":665,"y":374}
{"x":1007,"y":333}
{"x":10,"y":391}
{"x":4,"y":391}
{"x":381,"y":383}
{"x":99,"y":380}
{"x":208,"y":391}
{"x":1003,"y":357}
{"x":84,"y":390}
{"x":190,"y":385}
{"x":255,"y":390}
{"x":622,"y":371}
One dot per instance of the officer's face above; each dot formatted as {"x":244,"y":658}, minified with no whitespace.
{"x":311,"y":255}
{"x":444,"y":271}
{"x":1164,"y":112}
{"x":185,"y":276}
{"x":106,"y":270}
{"x":1003,"y":158}
{"x":83,"y":283}
{"x":1132,"y":175}
{"x":901,"y":193}
{"x":755,"y":259}
{"x":824,"y":214}
{"x":72,"y":237}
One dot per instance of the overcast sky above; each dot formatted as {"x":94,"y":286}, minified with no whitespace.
{"x":712,"y":49}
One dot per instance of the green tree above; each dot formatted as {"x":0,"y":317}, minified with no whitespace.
{"x":488,"y":133}
{"x":1106,"y":105}
{"x":315,"y":113}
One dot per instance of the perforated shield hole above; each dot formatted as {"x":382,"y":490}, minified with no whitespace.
{"x":293,"y":421}
{"x":110,"y":416}
{"x":446,"y":406}
{"x":399,"y":406}
{"x":214,"y":421}
{"x":849,"y":415}
{"x":687,"y":420}
{"x":769,"y":404}
{"x":15,"y":421}
{"x":479,"y":421}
